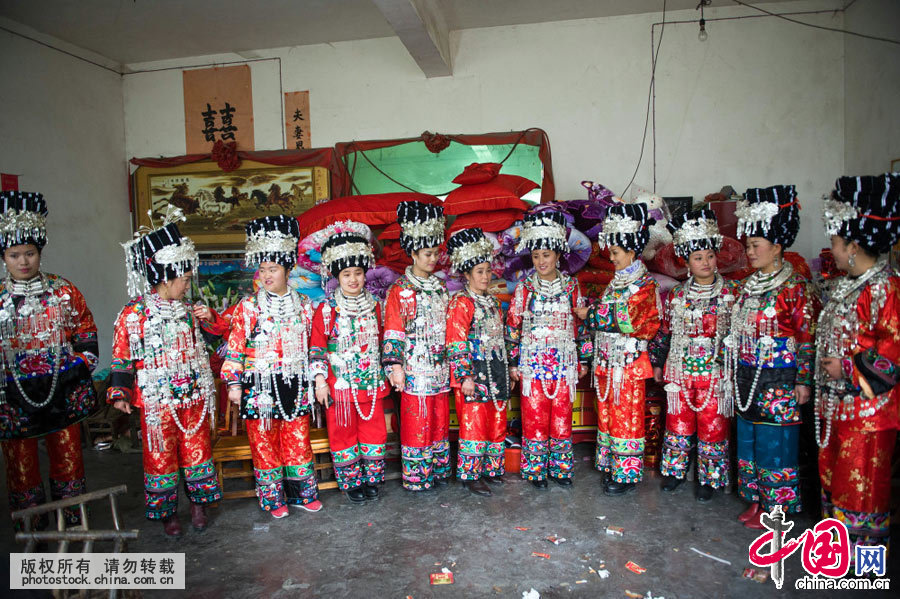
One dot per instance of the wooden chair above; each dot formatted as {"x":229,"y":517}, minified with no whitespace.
{"x":231,"y":446}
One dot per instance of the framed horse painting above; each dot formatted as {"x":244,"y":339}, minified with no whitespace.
{"x":217,"y":204}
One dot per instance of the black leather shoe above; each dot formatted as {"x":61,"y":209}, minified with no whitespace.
{"x":371,"y":491}
{"x":563,"y":482}
{"x":705,"y":493}
{"x":477,"y":487}
{"x":670,"y":483}
{"x":617,"y":488}
{"x":540,"y":484}
{"x":441,"y":482}
{"x":356,"y":495}
{"x":604,"y":479}
{"x":494,"y":480}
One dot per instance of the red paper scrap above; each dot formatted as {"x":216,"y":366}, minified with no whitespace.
{"x":754,"y":574}
{"x":543,"y":555}
{"x":635,"y":568}
{"x":9,"y":182}
{"x":442,"y":578}
{"x":523,"y":528}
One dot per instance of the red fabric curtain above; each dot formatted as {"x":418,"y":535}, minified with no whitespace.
{"x":532,"y":137}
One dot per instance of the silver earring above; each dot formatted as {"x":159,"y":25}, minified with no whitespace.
{"x":852,"y":260}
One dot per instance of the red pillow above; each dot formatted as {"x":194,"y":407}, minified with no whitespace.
{"x":374,"y":210}
{"x":391,"y":232}
{"x":393,"y":256}
{"x":502,"y":193}
{"x":490,"y":222}
{"x":478,"y":172}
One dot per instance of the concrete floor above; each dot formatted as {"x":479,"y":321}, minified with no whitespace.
{"x":390,"y":547}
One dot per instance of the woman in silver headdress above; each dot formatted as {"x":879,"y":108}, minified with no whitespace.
{"x":858,"y":350}
{"x":50,"y":347}
{"x":415,"y":321}
{"x":267,"y":370}
{"x":696,"y":318}
{"x":546,"y":355}
{"x":769,"y":354}
{"x":160,"y":365}
{"x":345,"y":360}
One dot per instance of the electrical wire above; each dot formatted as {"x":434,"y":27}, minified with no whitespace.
{"x":823,"y":27}
{"x":654,"y":56}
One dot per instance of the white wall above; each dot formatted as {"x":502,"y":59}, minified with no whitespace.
{"x":872,"y":88}
{"x":760,"y":103}
{"x":62,"y":131}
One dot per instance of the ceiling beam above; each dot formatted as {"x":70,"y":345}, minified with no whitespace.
{"x":422,"y":27}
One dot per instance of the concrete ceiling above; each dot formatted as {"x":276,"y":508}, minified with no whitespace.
{"x":135,"y":31}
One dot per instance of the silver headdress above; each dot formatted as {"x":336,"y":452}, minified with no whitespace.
{"x":158,"y":255}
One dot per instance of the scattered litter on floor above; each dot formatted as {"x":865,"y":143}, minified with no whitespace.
{"x":523,"y":528}
{"x":580,"y":582}
{"x":600,"y":517}
{"x":446,"y":571}
{"x":615,"y":531}
{"x":704,"y":554}
{"x":755,"y":574}
{"x":543,"y":555}
{"x":445,"y":577}
{"x":556,"y":540}
{"x":445,"y":505}
{"x":531,"y":594}
{"x":497,"y":589}
{"x":369,"y":524}
{"x":635,"y":568}
{"x":603,"y":573}
{"x":290,"y":585}
{"x":633,"y":595}
{"x":675,"y":549}
{"x":260,"y":527}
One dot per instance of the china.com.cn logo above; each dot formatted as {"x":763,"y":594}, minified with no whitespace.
{"x":826,"y":549}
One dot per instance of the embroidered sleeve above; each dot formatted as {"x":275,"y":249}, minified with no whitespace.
{"x":583,"y":339}
{"x":318,"y":341}
{"x":459,"y":350}
{"x":219,"y":324}
{"x":878,"y":344}
{"x":601,"y":317}
{"x":122,"y":368}
{"x":84,"y":333}
{"x":800,"y":307}
{"x":514,"y":323}
{"x":236,"y":345}
{"x":659,"y":345}
{"x":642,"y":312}
{"x":396,"y":306}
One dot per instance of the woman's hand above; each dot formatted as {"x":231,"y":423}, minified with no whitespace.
{"x":833,"y":368}
{"x":580,"y":312}
{"x":202,"y":312}
{"x":234,"y":394}
{"x":657,"y":374}
{"x":802,"y":393}
{"x":582,"y":370}
{"x":514,"y":374}
{"x":398,"y":378}
{"x":122,"y":406}
{"x":322,"y":390}
{"x":468,"y":387}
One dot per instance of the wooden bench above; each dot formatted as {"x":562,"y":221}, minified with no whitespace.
{"x":232,"y":458}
